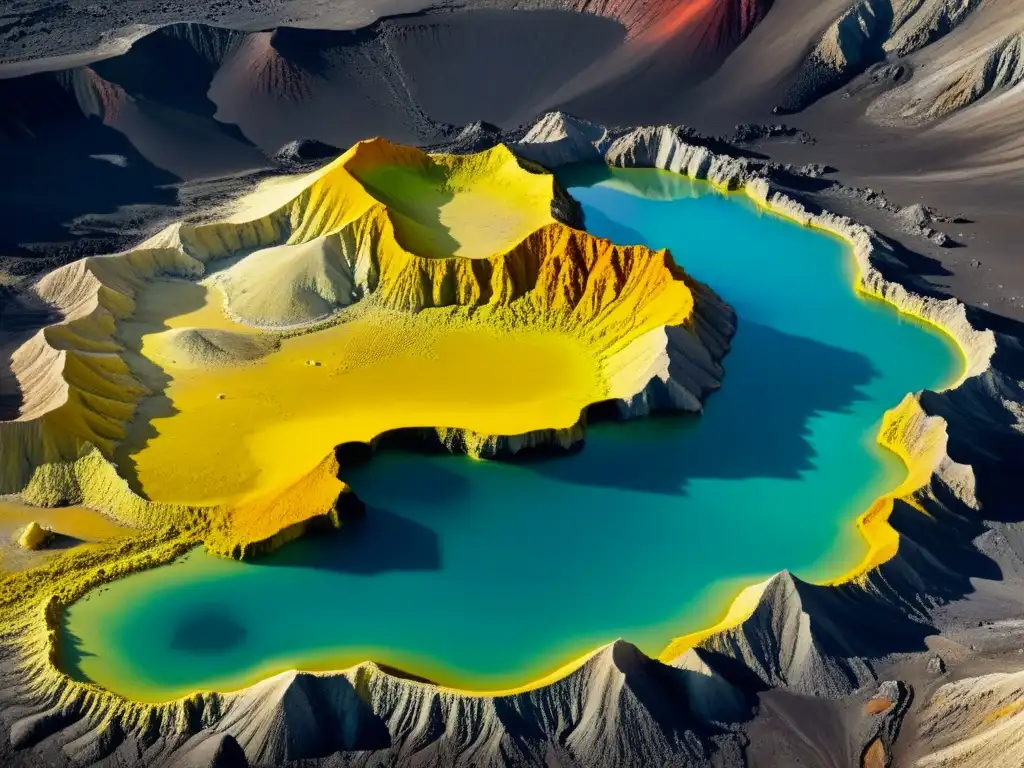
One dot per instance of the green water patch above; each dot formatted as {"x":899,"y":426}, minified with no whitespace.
{"x":488,"y":575}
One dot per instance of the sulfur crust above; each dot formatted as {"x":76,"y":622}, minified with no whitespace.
{"x":266,"y":523}
{"x":75,"y":522}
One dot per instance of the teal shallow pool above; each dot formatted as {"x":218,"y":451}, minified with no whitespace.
{"x":488,"y":575}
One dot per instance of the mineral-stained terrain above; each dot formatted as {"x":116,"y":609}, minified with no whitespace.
{"x":896,"y":124}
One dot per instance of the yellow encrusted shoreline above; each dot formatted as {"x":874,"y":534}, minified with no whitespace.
{"x":918,"y":439}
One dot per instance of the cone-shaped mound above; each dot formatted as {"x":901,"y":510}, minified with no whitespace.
{"x":447,"y":296}
{"x":208,"y":347}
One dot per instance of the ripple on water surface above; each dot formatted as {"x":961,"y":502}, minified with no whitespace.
{"x":488,"y":575}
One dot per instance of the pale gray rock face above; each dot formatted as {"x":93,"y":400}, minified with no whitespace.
{"x":785,"y":647}
{"x":915,"y":215}
{"x":211,"y":751}
{"x":977,"y":721}
{"x":951,"y":68}
{"x":917,"y":219}
{"x":993,"y":67}
{"x":898,"y":43}
{"x":558,"y":139}
{"x":711,"y":696}
{"x":619,"y":708}
{"x":662,"y":148}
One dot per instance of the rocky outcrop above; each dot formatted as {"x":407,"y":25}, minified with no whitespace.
{"x":302,"y":151}
{"x":796,"y":638}
{"x":35,"y":536}
{"x":317,"y":503}
{"x":561,"y":139}
{"x":994,"y":65}
{"x":883,"y":716}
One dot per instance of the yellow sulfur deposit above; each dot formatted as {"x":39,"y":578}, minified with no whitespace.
{"x":260,"y":427}
{"x":78,"y":523}
{"x":206,"y":377}
{"x":35,"y":536}
{"x":317,"y":501}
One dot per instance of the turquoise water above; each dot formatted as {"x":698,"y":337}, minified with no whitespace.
{"x":487,"y":575}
